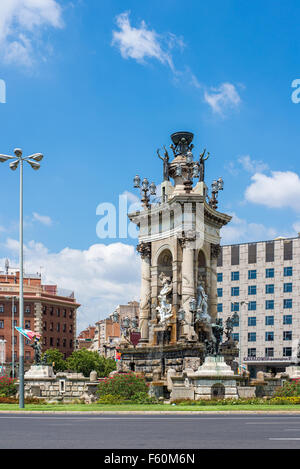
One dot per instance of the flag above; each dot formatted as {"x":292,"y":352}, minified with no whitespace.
{"x":30,"y":335}
{"x":118,"y":356}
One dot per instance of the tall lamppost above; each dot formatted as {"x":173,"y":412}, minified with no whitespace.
{"x":15,"y":161}
{"x":12,"y":298}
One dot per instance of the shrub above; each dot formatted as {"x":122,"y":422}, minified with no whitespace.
{"x":110,"y":399}
{"x":124,"y":385}
{"x":7,"y":386}
{"x":84,"y":361}
{"x":288,"y":389}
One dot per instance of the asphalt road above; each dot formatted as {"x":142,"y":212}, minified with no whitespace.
{"x":208,"y":431}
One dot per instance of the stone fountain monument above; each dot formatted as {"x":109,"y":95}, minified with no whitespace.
{"x":179,"y":243}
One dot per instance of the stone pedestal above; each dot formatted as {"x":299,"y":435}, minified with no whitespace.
{"x":39,"y":371}
{"x":213,"y":379}
{"x":293,"y":371}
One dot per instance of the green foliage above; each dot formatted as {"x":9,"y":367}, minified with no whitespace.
{"x":111,"y":399}
{"x":53,"y":355}
{"x":84,"y":361}
{"x":7,"y":386}
{"x":123,"y":385}
{"x":288,"y":389}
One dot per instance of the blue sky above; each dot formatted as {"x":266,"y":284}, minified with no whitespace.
{"x":98,"y":86}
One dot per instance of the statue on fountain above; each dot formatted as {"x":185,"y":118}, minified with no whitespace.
{"x":164,"y":309}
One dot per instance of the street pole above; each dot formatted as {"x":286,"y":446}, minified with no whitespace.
{"x":33,"y":160}
{"x":21,"y":301}
{"x":13,"y":336}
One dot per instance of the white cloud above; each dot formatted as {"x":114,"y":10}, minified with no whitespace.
{"x":280,"y":189}
{"x":239,"y":230}
{"x":222,"y":98}
{"x":44,"y":219}
{"x":142,"y":43}
{"x":20,"y":22}
{"x":102,"y":276}
{"x":251,"y":165}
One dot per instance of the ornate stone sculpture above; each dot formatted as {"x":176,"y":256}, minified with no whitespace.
{"x":202,"y":165}
{"x":165,"y":161}
{"x":164,"y":309}
{"x":37,"y":351}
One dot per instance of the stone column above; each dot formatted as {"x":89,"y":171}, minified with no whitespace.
{"x":214,"y":253}
{"x":145,"y":251}
{"x":188,"y":283}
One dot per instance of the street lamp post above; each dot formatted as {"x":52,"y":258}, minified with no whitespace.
{"x":15,"y":161}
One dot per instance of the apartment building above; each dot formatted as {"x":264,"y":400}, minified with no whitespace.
{"x":260,"y":281}
{"x":48,"y":310}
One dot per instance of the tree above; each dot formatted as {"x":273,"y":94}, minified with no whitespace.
{"x":53,"y":355}
{"x":84,"y":361}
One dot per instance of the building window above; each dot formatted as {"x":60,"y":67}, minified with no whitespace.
{"x":220,"y":307}
{"x":219,"y":277}
{"x":287,"y":319}
{"x":45,"y":326}
{"x":287,"y":303}
{"x":71,"y":328}
{"x":251,"y":289}
{"x":58,"y":312}
{"x":45,"y":340}
{"x":64,"y":327}
{"x":269,"y":336}
{"x":269,"y":251}
{"x":51,"y":340}
{"x":288,"y":250}
{"x":57,"y":342}
{"x":220,"y":292}
{"x":51,"y":311}
{"x":287,"y":287}
{"x":269,"y":273}
{"x":252,"y":253}
{"x":269,"y":352}
{"x":252,"y":321}
{"x":64,"y":342}
{"x":235,"y":276}
{"x":14,"y":341}
{"x":1,"y":308}
{"x":44,"y":309}
{"x":27,"y":324}
{"x":252,"y":306}
{"x":71,"y":314}
{"x":252,"y":352}
{"x":270,"y":288}
{"x":235,"y":306}
{"x":269,"y":304}
{"x":58,"y":327}
{"x":288,"y":271}
{"x":236,"y":336}
{"x":27,"y":309}
{"x":235,"y":255}
{"x":71,"y":343}
{"x":287,"y":351}
{"x":1,"y":324}
{"x":287,"y":335}
{"x":51,"y":326}
{"x":15,"y":323}
{"x":235,"y":291}
{"x":251,"y":336}
{"x":64,"y":313}
{"x":27,"y":356}
{"x":251,"y":274}
{"x":269,"y":321}
{"x":236,"y":322}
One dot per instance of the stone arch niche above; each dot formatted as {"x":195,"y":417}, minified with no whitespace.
{"x":202,"y":270}
{"x":164,"y":268}
{"x":218,"y":391}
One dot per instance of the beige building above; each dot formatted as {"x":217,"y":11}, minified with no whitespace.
{"x":260,"y":281}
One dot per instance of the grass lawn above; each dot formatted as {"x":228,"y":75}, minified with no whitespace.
{"x":142,"y":407}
